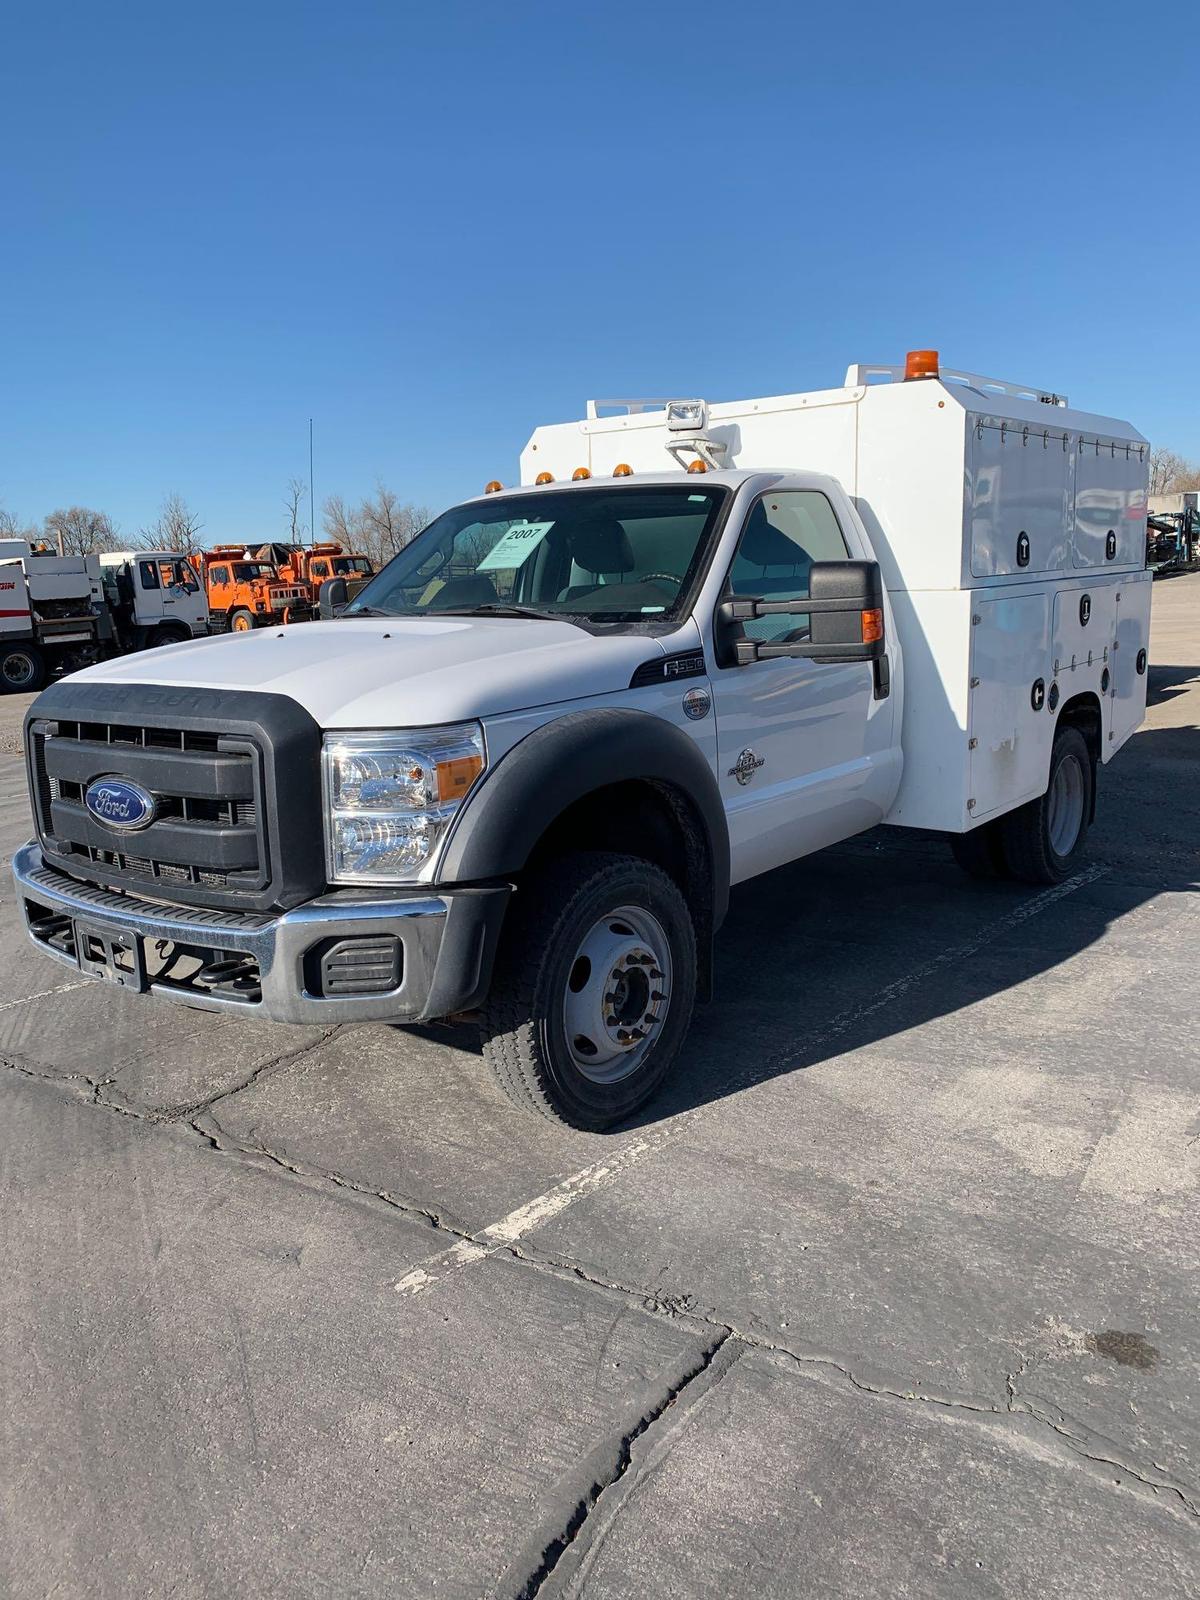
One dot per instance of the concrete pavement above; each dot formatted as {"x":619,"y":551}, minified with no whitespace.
{"x":892,"y":1292}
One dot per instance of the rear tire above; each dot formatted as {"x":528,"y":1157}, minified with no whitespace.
{"x":22,"y":668}
{"x":593,"y":990}
{"x":980,"y":853}
{"x":242,"y":621}
{"x":1043,"y":840}
{"x":169,"y":633}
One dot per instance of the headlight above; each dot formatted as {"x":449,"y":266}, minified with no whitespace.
{"x":390,"y":798}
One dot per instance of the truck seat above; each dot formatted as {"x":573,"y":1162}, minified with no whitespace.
{"x":597,"y":544}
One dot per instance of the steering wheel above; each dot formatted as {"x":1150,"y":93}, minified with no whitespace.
{"x":661,"y":577}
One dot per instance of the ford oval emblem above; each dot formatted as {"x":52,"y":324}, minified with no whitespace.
{"x":120,"y":805}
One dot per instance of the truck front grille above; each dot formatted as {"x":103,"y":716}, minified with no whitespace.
{"x":235,"y":775}
{"x":207,"y":789}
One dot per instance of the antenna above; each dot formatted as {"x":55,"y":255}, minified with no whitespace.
{"x":312,"y":497}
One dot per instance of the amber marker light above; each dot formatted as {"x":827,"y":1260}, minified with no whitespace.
{"x":456,"y":775}
{"x":872,"y":626}
{"x":544,"y":477}
{"x":623,"y":470}
{"x":579,"y":473}
{"x":697,"y":465}
{"x":920,"y":364}
{"x":494,"y":487}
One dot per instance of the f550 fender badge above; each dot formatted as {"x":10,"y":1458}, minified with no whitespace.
{"x":746,"y":765}
{"x":697,"y":703}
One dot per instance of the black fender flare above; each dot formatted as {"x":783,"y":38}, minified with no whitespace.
{"x":567,"y":759}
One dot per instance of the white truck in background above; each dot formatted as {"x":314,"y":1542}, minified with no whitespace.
{"x":154,"y":597}
{"x":51,"y":611}
{"x":516,"y":778}
{"x":59,"y":613}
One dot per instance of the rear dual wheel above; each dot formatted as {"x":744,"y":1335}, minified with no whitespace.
{"x":593,"y":990}
{"x":1039,"y":842}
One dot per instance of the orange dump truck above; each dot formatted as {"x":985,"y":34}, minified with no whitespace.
{"x":246,"y":592}
{"x":314,"y":564}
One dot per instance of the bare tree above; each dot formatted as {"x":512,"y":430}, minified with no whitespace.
{"x":338,"y":522}
{"x":293,"y":500}
{"x":177,"y":527}
{"x":11,"y":527}
{"x":377,"y":527}
{"x":79,"y":531}
{"x":1165,"y":467}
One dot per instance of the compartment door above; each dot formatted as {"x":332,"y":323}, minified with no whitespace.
{"x":1127,"y":684}
{"x":1018,"y":492}
{"x":1111,"y":480}
{"x":1081,"y":642}
{"x":1009,"y":741}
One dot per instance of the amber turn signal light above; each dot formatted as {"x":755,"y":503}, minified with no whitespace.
{"x":872,"y":626}
{"x":920,"y":364}
{"x":456,"y":775}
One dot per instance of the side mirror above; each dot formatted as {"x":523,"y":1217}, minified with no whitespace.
{"x":332,"y":598}
{"x":844,"y":610}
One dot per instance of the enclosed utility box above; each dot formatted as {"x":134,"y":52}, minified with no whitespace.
{"x":1011,"y":531}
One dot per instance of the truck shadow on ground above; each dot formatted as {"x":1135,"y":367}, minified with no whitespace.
{"x":808,"y":952}
{"x":878,"y":936}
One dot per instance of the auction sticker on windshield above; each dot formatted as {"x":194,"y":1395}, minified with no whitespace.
{"x":511,"y":549}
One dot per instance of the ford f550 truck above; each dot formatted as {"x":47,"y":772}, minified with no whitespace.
{"x":517,"y":777}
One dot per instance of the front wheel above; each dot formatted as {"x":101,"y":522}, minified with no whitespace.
{"x":1042,"y":841}
{"x":593,"y":991}
{"x":241,"y":621}
{"x":22,"y":669}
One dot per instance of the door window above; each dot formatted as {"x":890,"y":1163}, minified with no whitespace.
{"x":149,"y":572}
{"x":218,"y":575}
{"x":784,"y":534}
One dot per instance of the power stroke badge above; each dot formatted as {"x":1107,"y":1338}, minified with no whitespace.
{"x":746,"y":765}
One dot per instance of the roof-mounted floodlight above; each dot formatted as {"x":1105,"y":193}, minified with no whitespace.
{"x":687,"y":416}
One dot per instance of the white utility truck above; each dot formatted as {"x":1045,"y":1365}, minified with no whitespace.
{"x":51,"y":614}
{"x":154,"y":597}
{"x":517,"y":776}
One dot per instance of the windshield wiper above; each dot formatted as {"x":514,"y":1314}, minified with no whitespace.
{"x":494,"y":608}
{"x":370,"y":611}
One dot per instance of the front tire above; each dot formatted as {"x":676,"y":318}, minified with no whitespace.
{"x":22,"y":669}
{"x":593,"y":990}
{"x":242,"y":621}
{"x":1043,"y":840}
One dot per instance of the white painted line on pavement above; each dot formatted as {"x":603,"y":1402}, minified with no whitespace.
{"x":534,"y":1212}
{"x":63,"y":988}
{"x":589,"y":1179}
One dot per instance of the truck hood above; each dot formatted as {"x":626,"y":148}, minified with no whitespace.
{"x":376,"y":672}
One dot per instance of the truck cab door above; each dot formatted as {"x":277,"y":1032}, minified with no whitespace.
{"x":806,"y":749}
{"x":148,"y":596}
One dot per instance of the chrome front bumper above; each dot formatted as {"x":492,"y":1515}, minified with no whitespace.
{"x":447,"y":941}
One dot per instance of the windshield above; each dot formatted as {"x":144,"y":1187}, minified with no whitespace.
{"x":343,"y":566}
{"x":607,"y":554}
{"x":244,"y":571}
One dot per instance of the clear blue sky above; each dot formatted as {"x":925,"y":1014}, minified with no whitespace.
{"x":431,"y":227}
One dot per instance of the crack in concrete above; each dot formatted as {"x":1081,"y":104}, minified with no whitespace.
{"x":1077,"y":1441}
{"x":618,"y":1458}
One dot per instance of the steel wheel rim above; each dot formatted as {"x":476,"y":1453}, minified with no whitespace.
{"x":18,"y":670}
{"x":1066,"y":806}
{"x":617,"y":994}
